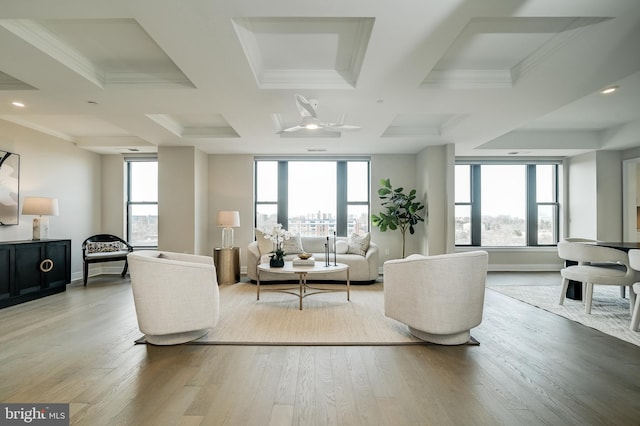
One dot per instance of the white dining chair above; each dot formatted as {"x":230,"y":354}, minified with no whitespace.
{"x":596,"y":265}
{"x":590,"y":240}
{"x":634,"y":261}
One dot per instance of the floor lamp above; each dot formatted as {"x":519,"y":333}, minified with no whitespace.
{"x":42,"y":207}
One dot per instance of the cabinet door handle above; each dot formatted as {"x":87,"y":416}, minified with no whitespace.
{"x":46,"y":265}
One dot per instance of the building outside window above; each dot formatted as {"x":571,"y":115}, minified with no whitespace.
{"x":313,"y":197}
{"x":142,"y":202}
{"x":506,"y":205}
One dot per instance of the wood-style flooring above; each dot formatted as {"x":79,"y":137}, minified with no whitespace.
{"x":532,"y":367}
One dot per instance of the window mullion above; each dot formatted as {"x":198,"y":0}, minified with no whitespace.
{"x":532,"y":206}
{"x":283,"y":193}
{"x":341,"y":198}
{"x":476,"y":204}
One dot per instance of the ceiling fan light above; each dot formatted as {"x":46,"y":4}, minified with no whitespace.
{"x":310,"y":123}
{"x":608,"y":90}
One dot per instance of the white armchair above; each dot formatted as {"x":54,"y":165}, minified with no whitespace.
{"x":176,"y":295}
{"x":440,"y":298}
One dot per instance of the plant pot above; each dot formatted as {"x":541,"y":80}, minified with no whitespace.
{"x":276,"y":263}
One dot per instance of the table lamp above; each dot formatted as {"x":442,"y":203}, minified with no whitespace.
{"x":42,"y":207}
{"x":228,"y":220}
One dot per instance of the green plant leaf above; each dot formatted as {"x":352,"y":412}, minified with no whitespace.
{"x":400,"y":210}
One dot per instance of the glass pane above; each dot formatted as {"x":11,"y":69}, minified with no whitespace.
{"x":312,"y":197}
{"x":463,"y":183}
{"x":267,"y":181}
{"x":144,"y":181}
{"x":357,"y":219}
{"x":546,"y":224}
{"x":545,"y":175}
{"x":503,"y":205}
{"x":143,"y":225}
{"x":357,"y":181}
{"x":463,"y":225}
{"x":266,"y":215}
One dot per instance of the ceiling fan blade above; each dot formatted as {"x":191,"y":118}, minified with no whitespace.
{"x":305,"y":108}
{"x":293,"y":129}
{"x":337,"y":127}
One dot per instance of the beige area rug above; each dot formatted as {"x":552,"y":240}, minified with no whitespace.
{"x":609,"y":312}
{"x":326,"y":319}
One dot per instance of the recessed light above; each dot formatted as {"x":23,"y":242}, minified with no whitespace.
{"x":17,"y":104}
{"x":609,"y":90}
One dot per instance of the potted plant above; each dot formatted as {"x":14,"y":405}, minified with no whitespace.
{"x":401,"y":211}
{"x":277,"y":235}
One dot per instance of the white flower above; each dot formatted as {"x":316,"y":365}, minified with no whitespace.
{"x":277,"y":235}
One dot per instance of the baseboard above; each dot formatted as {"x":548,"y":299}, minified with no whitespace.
{"x":525,"y":267}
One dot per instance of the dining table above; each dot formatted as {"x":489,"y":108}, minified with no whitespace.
{"x":620,"y":245}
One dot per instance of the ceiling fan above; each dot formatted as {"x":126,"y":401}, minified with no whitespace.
{"x":310,"y":121}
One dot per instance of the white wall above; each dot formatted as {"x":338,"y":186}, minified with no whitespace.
{"x":595,"y":196}
{"x":51,"y":167}
{"x":231,"y":188}
{"x":201,"y":177}
{"x":182,"y":177}
{"x":582,"y":203}
{"x":401,"y":170}
{"x":609,"y":193}
{"x":435,"y":181}
{"x":113,"y":196}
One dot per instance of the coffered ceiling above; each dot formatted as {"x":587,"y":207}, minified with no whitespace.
{"x":493,"y":77}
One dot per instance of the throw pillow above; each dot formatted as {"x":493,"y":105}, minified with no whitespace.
{"x":359,"y":244}
{"x":105,"y":247}
{"x":342,"y":247}
{"x":264,"y":245}
{"x":293,"y":245}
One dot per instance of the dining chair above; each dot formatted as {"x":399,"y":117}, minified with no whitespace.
{"x":596,"y":265}
{"x":634,"y":261}
{"x":589,"y":240}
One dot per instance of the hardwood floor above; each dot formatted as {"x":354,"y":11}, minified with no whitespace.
{"x":532,"y":367}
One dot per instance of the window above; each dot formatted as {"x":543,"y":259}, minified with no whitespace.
{"x":313,"y":197}
{"x":506,"y":204}
{"x":142,"y":202}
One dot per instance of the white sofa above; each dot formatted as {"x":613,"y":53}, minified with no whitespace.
{"x":176,"y":295}
{"x":362,"y":269}
{"x":440,"y":298}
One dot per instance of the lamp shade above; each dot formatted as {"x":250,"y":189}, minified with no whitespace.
{"x":41,"y":206}
{"x":228,"y":219}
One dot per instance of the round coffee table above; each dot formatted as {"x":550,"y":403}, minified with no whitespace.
{"x":303,"y":271}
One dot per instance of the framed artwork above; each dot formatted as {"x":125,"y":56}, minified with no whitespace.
{"x":9,"y":188}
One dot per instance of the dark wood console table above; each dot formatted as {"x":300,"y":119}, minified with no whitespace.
{"x":32,"y":269}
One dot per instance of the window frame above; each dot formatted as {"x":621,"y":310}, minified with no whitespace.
{"x":532,"y":204}
{"x":129,"y":203}
{"x":342,"y":201}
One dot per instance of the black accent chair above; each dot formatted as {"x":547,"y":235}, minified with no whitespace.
{"x":104,"y":248}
